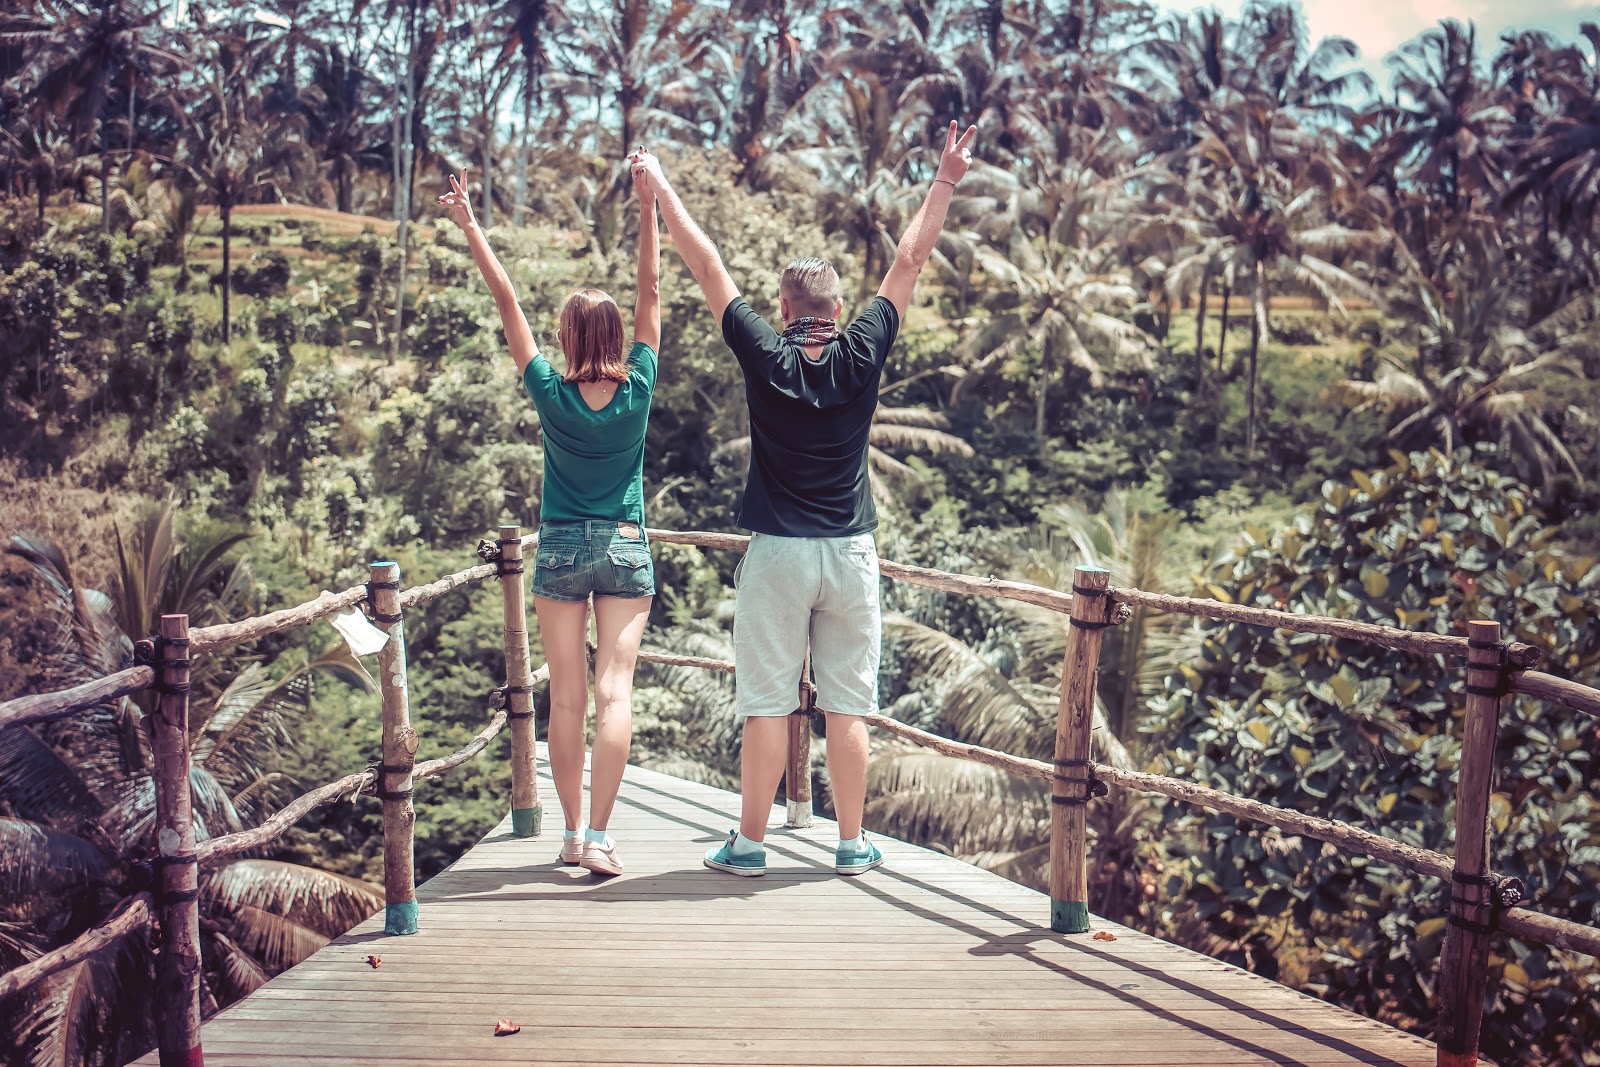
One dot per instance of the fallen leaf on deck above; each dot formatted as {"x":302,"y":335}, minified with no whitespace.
{"x":376,"y":961}
{"x":1104,"y":935}
{"x":506,"y":1027}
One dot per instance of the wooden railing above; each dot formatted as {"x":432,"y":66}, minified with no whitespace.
{"x":1481,"y":903}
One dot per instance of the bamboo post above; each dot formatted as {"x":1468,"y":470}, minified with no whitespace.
{"x":398,"y":754}
{"x":177,"y":867}
{"x":527,"y":814}
{"x":1071,"y":790}
{"x":1465,"y":955}
{"x":797,"y":773}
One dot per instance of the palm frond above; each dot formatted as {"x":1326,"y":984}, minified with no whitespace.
{"x":35,"y":860}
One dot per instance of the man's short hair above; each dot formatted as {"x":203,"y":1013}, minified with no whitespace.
{"x":811,"y":286}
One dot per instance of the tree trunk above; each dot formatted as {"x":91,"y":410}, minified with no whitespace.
{"x":1222,"y":342}
{"x":488,"y":173}
{"x":403,"y":193}
{"x":524,"y":150}
{"x":1258,"y":312}
{"x":1041,"y":400}
{"x":227,"y":272}
{"x":344,"y":188}
{"x":1200,"y":333}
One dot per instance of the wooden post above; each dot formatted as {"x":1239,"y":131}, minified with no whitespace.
{"x":797,"y":774}
{"x":178,"y":871}
{"x":1465,"y":955}
{"x":399,"y":753}
{"x":527,"y":814}
{"x":1069,"y":800}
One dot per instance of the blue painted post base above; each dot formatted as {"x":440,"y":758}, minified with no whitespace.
{"x":527,"y":822}
{"x":1069,"y":916}
{"x":400,"y":918}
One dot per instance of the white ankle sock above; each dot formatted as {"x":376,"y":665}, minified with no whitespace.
{"x":571,"y":834}
{"x":859,"y":844}
{"x":743,"y":846}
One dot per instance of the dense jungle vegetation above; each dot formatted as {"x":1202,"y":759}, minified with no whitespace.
{"x":1214,"y":310}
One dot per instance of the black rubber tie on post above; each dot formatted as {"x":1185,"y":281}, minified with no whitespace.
{"x":1092,"y":786}
{"x":1084,"y":590}
{"x":500,"y":561}
{"x":1082,"y":625}
{"x":177,"y":896}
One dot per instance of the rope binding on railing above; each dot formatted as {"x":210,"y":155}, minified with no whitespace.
{"x":369,"y":606}
{"x":1092,"y":787}
{"x":500,"y":699}
{"x":1504,"y":892}
{"x":379,"y":769}
{"x":158,"y":883}
{"x":1502,"y":668}
{"x":494,"y":552}
{"x":148,"y":652}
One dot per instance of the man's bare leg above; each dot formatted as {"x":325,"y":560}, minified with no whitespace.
{"x":766,"y":750}
{"x":848,"y":748}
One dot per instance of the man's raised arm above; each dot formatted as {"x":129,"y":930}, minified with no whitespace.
{"x":698,"y":253}
{"x":923,"y":233}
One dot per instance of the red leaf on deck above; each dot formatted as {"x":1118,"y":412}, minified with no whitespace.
{"x":1104,"y":935}
{"x":506,"y":1027}
{"x":376,"y":961}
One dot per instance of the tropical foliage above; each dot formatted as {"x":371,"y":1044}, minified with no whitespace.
{"x":1215,"y":309}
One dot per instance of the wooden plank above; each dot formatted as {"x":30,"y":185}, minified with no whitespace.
{"x":935,"y":961}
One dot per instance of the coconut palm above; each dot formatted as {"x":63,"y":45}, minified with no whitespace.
{"x":84,"y":51}
{"x":1560,"y":162}
{"x":1473,"y":374}
{"x":77,"y":837}
{"x":912,"y":429}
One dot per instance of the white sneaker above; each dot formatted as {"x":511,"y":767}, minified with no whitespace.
{"x":601,"y":857}
{"x":572,"y":849}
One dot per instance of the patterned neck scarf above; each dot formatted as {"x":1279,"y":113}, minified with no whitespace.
{"x":810,"y":330}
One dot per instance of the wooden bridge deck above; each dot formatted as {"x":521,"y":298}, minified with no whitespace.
{"x":924,"y":961}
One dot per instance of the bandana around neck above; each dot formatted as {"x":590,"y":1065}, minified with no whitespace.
{"x":810,"y":330}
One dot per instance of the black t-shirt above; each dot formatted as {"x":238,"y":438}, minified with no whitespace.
{"x":809,"y":421}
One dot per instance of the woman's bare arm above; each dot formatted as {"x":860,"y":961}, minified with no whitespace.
{"x":519,"y":337}
{"x":647,"y":307}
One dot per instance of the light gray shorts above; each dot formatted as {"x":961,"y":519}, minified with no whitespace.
{"x":798,"y":589}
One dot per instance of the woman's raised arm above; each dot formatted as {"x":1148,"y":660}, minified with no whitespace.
{"x":647,"y":310}
{"x":519,"y":338}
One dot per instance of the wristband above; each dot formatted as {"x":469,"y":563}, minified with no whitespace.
{"x":947,"y":181}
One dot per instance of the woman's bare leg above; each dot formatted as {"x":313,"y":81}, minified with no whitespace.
{"x":563,"y":627}
{"x":619,"y":627}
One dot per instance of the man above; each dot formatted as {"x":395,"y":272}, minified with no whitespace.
{"x":811,"y":572}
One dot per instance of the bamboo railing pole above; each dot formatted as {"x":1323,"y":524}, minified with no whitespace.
{"x":797,"y":772}
{"x":177,"y":996}
{"x":398,"y":754}
{"x":527,"y":814}
{"x":1069,"y":800}
{"x":1465,"y":955}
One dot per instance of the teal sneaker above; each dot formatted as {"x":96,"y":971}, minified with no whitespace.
{"x":853,"y":861}
{"x":748,"y":865}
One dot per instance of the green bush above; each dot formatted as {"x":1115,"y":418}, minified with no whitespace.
{"x":1370,"y":736}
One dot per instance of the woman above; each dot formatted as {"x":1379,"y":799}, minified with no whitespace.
{"x":591,"y":517}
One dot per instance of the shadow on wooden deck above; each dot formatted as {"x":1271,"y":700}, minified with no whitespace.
{"x":924,"y":961}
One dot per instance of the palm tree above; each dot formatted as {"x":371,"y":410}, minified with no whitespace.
{"x":1057,"y":303}
{"x":1560,"y":162}
{"x":337,"y":107}
{"x":41,"y":149}
{"x":85,"y":50}
{"x":911,"y":429}
{"x":78,"y":830}
{"x":1476,"y":375}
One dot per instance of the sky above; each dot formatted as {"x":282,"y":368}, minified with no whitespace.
{"x":1381,"y":26}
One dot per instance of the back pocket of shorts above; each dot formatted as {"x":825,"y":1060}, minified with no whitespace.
{"x":554,"y":571}
{"x":631,"y":572}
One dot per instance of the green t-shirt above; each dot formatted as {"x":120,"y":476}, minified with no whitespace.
{"x":593,"y":460}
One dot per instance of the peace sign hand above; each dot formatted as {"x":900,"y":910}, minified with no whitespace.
{"x":457,"y":203}
{"x":957,"y":155}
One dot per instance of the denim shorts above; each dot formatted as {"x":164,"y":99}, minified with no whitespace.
{"x":577,"y":559}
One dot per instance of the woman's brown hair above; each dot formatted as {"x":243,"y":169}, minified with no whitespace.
{"x":592,"y":338}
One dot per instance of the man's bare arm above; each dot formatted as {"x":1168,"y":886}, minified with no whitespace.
{"x":923,"y":234}
{"x":699,"y":254}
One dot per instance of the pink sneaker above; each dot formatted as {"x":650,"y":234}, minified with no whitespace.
{"x":572,"y":850}
{"x":601,"y":857}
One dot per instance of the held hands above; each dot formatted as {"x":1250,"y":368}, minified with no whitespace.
{"x":957,"y":154}
{"x":457,"y":203}
{"x":646,"y":172}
